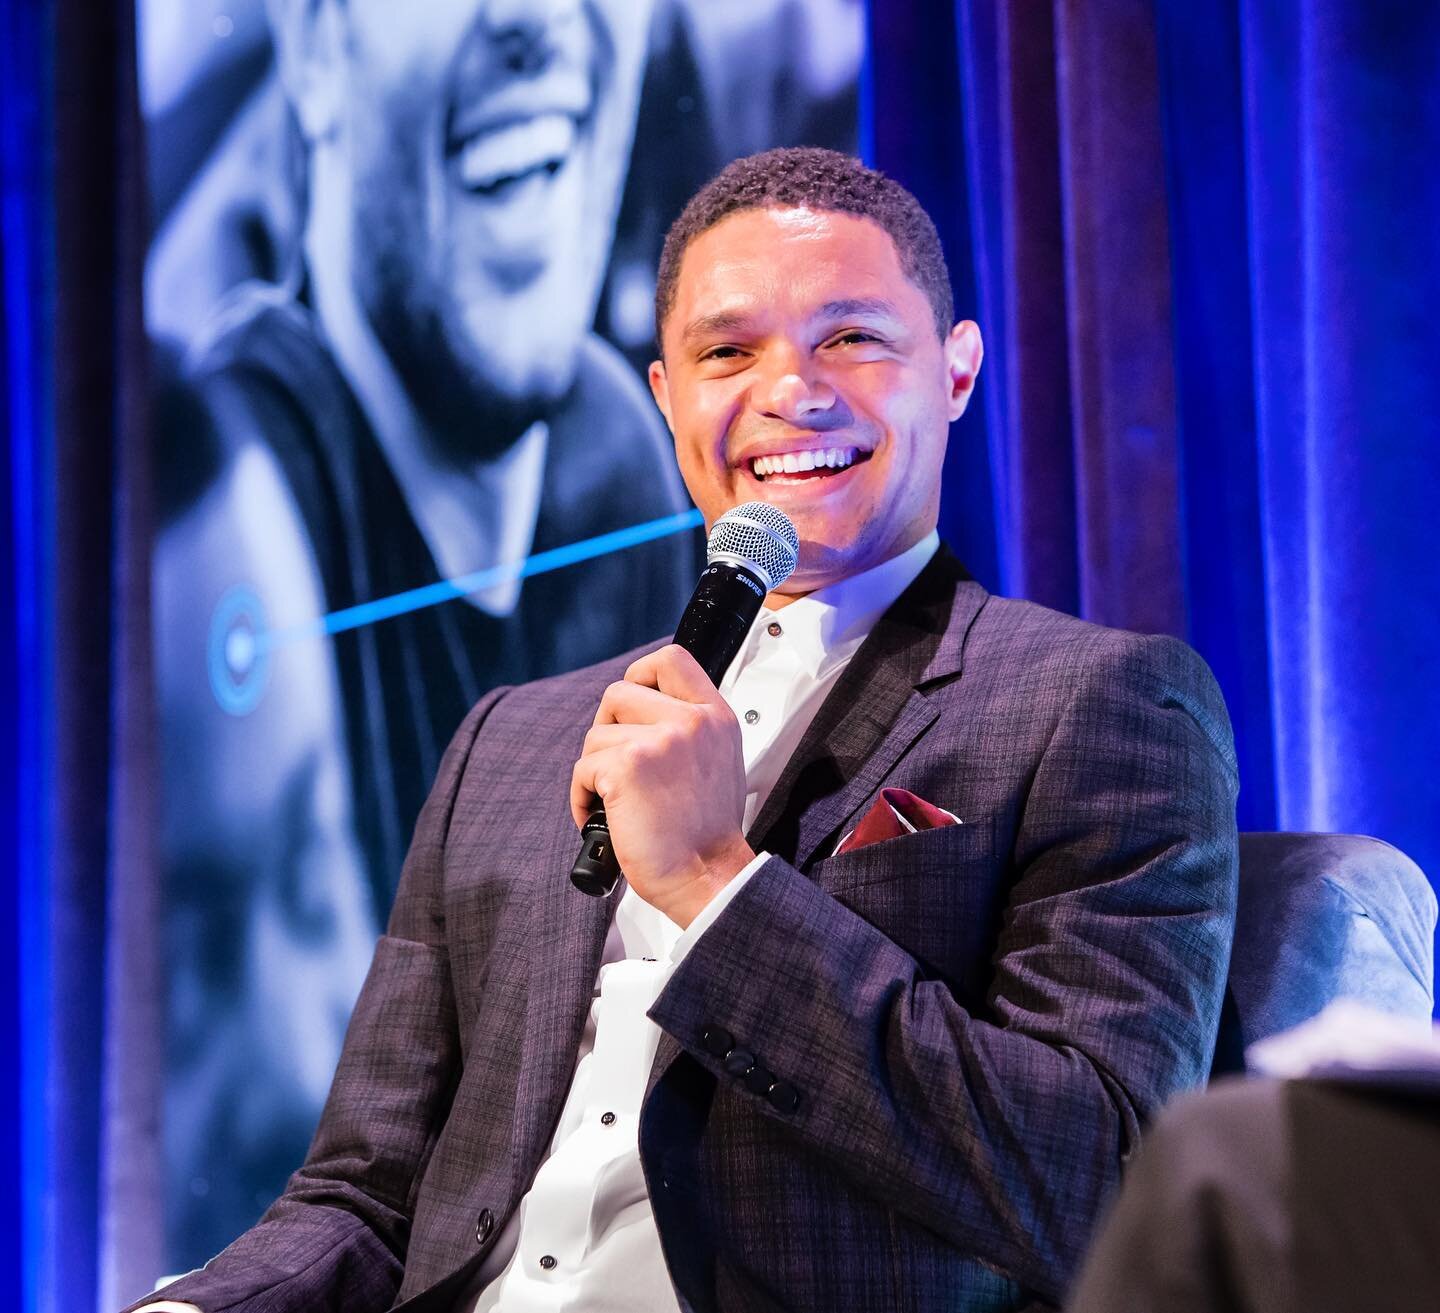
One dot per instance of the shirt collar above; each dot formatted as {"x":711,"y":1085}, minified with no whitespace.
{"x":828,"y":625}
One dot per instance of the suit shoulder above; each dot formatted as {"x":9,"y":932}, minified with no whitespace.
{"x":1050,"y":659}
{"x":1010,"y":630}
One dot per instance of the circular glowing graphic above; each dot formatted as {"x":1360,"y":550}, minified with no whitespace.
{"x":238,"y":658}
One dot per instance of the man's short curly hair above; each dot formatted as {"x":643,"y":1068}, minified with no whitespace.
{"x":808,"y":177}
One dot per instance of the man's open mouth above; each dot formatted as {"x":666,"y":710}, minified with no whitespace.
{"x":499,"y":160}
{"x":796,"y":466}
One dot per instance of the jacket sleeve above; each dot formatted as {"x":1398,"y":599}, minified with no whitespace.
{"x":337,"y":1237}
{"x":1003,"y":1133}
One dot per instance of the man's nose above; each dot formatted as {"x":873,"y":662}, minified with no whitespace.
{"x":795,"y":393}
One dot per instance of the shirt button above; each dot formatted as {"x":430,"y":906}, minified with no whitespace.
{"x":547,"y":1261}
{"x":739,"y":1062}
{"x":751,"y":716}
{"x":783,"y":1097}
{"x":607,"y":1119}
{"x":717,"y":1040}
{"x":773,"y":629}
{"x":484,"y":1225}
{"x":758,"y":1080}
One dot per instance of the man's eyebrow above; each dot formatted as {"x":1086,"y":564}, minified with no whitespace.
{"x":723,"y":321}
{"x":730,"y":321}
{"x":861,"y":307}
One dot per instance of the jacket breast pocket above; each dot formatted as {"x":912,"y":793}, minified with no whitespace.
{"x":938,"y":894}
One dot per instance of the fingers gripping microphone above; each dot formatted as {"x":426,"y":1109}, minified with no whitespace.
{"x":751,"y":552}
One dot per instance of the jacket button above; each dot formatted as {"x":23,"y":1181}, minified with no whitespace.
{"x":758,"y":1080}
{"x":484,"y":1225}
{"x":739,"y":1062}
{"x":783,"y":1096}
{"x":717,"y":1040}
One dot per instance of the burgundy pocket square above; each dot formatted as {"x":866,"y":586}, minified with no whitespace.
{"x":896,"y":812}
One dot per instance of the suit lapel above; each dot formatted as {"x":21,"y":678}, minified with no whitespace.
{"x":860,"y":732}
{"x":567,"y":942}
{"x":873,"y":715}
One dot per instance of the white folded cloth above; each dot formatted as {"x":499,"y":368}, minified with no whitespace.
{"x":1353,"y":1043}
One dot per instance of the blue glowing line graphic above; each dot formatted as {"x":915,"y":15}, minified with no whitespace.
{"x":240,"y":643}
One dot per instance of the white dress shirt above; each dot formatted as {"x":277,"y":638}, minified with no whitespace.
{"x":584,"y":1235}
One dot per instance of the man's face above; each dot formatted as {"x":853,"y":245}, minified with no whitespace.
{"x":796,"y":339}
{"x":487,"y":140}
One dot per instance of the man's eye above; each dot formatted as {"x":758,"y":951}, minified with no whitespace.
{"x":721,"y":353}
{"x":854,"y":337}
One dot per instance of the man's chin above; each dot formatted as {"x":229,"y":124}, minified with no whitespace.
{"x":821,"y":564}
{"x":476,"y":405}
{"x":530,"y":386}
{"x":523,"y":341}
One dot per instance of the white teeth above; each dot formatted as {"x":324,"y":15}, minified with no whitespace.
{"x":798,"y":462}
{"x":516,"y":149}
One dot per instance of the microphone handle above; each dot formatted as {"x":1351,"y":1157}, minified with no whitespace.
{"x":724,"y":605}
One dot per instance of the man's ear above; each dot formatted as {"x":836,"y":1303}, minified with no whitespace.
{"x":660,"y":390}
{"x":963,"y":353}
{"x":309,"y":41}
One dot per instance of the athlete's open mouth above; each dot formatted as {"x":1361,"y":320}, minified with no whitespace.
{"x":499,"y":159}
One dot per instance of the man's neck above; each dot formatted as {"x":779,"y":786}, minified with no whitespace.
{"x":777,"y":601}
{"x":472,"y":517}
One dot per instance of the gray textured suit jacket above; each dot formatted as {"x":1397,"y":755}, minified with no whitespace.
{"x":977,"y":1018}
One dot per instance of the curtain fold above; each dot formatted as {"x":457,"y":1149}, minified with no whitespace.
{"x":1117,"y":266}
{"x":77,"y":448}
{"x":131,"y":1235}
{"x":1341,"y":136}
{"x":25,"y":502}
{"x":1225,"y":578}
{"x":1203,"y":248}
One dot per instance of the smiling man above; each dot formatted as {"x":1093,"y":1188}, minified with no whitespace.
{"x":927,"y":907}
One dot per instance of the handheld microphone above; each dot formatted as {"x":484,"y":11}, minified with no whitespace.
{"x":751,"y":552}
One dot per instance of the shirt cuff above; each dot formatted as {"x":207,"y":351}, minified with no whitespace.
{"x":711,"y":911}
{"x":167,"y":1306}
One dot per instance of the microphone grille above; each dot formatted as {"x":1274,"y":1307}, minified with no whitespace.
{"x":757,"y":536}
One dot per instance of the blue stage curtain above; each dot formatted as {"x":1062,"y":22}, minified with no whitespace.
{"x":79,"y":743}
{"x":24,"y":624}
{"x":1202,"y":243}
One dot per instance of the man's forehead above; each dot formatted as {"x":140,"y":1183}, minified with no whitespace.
{"x":798,"y":226}
{"x":827,"y":262}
